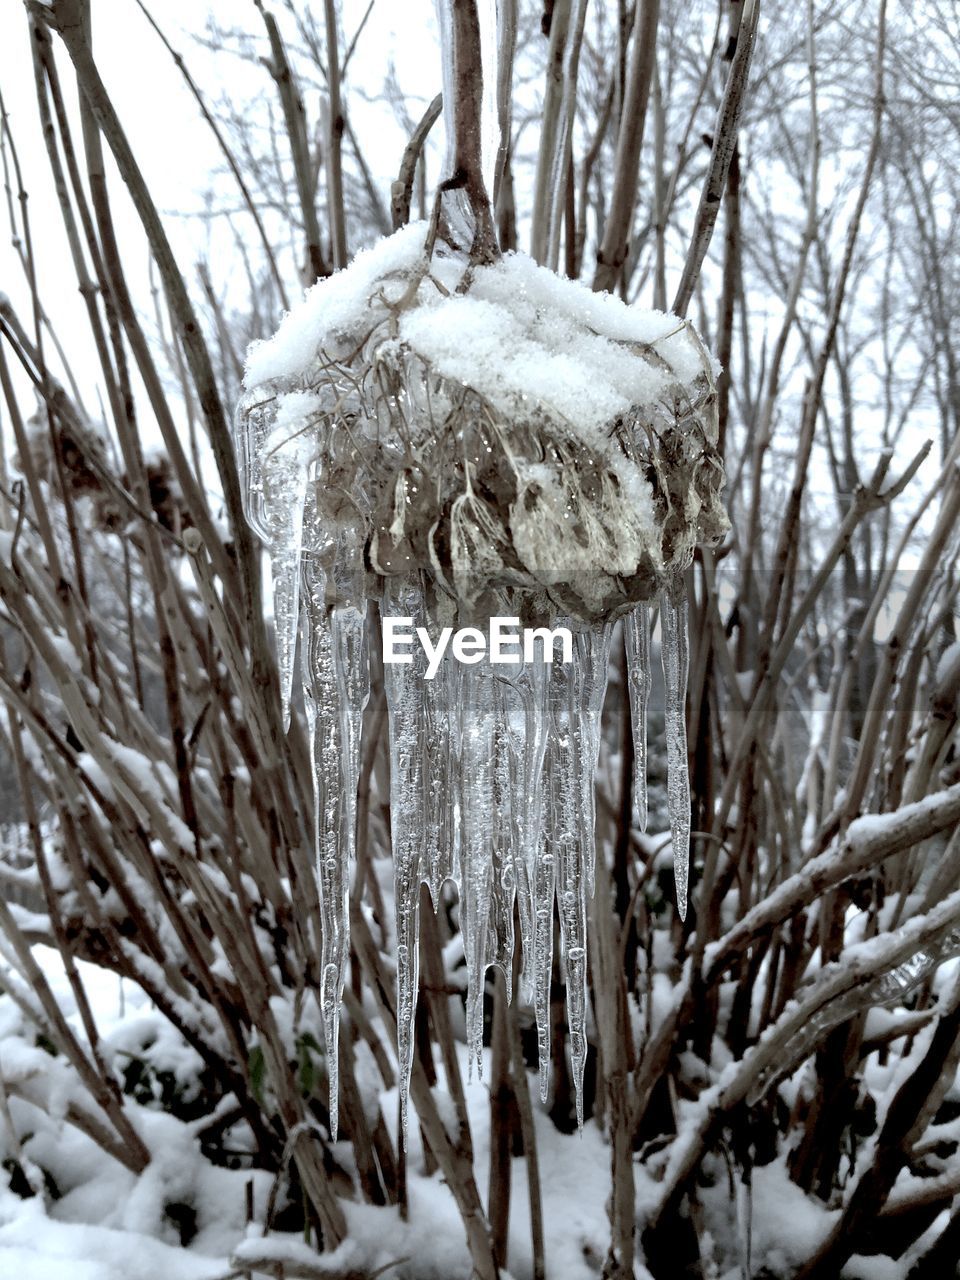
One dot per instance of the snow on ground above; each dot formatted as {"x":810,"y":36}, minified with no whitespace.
{"x":108,"y":1224}
{"x":35,"y":1246}
{"x":575,"y":1184}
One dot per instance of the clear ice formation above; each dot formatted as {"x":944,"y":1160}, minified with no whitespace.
{"x":891,"y":988}
{"x":455,"y":445}
{"x":673,"y":651}
{"x":636,"y":640}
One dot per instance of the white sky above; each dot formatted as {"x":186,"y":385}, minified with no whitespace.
{"x":174,"y":147}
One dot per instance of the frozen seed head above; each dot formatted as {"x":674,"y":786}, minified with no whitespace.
{"x":529,"y":444}
{"x":463,"y":444}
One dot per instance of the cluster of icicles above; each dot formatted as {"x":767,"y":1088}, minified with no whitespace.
{"x":491,"y":787}
{"x":373,"y":478}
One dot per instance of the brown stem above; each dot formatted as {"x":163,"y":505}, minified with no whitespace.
{"x":724,"y":142}
{"x":401,"y":191}
{"x":295,"y":120}
{"x":226,"y":151}
{"x":616,"y":234}
{"x":464,"y":128}
{"x":338,"y":230}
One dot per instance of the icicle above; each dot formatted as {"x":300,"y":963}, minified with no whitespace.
{"x":285,"y":474}
{"x":544,"y":892}
{"x":477,"y":819}
{"x":637,"y":640}
{"x":441,"y":770}
{"x":538,"y":865}
{"x":405,"y":702}
{"x":352,"y":670}
{"x":321,"y":704}
{"x":673,"y":624}
{"x":573,"y":841}
{"x":593,"y":655}
{"x":254,"y":414}
{"x":285,"y":567}
{"x":531,"y":685}
{"x":353,"y":689}
{"x":506,"y":851}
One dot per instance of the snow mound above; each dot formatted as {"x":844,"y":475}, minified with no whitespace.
{"x":519,"y":334}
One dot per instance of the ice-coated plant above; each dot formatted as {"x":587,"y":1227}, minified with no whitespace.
{"x":457,"y":435}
